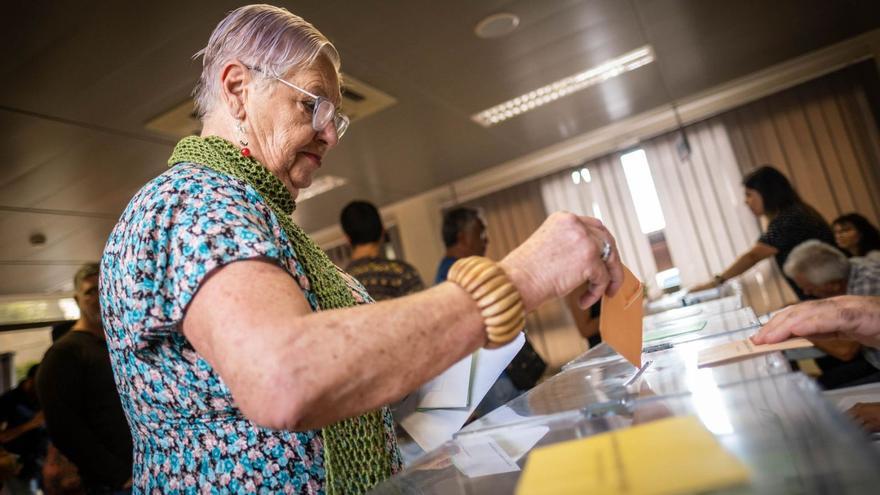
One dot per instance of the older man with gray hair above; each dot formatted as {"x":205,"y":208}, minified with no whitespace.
{"x":821,"y":270}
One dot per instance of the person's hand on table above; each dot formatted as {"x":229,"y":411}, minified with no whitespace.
{"x":843,"y":317}
{"x":867,"y":414}
{"x":565,"y":251}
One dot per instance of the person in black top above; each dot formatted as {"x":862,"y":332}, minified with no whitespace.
{"x":78,"y":393}
{"x":791,"y":222}
{"x":24,"y":433}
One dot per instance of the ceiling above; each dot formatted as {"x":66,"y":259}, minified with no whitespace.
{"x":80,"y":80}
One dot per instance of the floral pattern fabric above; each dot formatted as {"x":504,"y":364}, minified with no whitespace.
{"x":189,"y":437}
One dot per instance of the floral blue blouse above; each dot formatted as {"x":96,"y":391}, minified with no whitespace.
{"x":189,"y":437}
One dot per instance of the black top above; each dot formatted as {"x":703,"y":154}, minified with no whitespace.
{"x":384,"y":278}
{"x":17,"y":408}
{"x":82,"y":408}
{"x":791,"y":227}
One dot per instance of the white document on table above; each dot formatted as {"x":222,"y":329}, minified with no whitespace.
{"x":430,"y":428}
{"x":450,"y":390}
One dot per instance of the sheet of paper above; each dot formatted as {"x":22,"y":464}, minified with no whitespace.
{"x":742,"y":349}
{"x":672,"y":455}
{"x":673,"y":330}
{"x":482,"y":458}
{"x":431,"y":428}
{"x":450,"y":390}
{"x":620,"y":323}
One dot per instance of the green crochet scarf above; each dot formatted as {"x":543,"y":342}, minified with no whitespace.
{"x":355,"y":453}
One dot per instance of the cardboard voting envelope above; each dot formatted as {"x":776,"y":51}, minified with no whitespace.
{"x":621,"y":320}
{"x":742,"y":349}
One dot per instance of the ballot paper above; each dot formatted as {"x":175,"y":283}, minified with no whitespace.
{"x":742,"y":349}
{"x":446,"y":390}
{"x":668,"y":456}
{"x":496,"y":452}
{"x":620,"y":322}
{"x":430,"y":428}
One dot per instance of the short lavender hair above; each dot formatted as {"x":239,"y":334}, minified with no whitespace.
{"x":262,"y":36}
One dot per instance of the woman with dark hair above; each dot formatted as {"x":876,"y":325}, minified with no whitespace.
{"x":790,"y":222}
{"x":855,"y":236}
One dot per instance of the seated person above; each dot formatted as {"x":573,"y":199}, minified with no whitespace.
{"x":855,"y":236}
{"x":851,"y":317}
{"x":821,"y":271}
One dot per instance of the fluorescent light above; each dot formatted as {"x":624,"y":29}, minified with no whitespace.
{"x":576,"y":177}
{"x":321,"y":185}
{"x":565,"y":86}
{"x":585,"y":174}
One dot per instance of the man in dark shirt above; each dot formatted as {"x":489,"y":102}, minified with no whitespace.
{"x":77,"y":391}
{"x":24,"y":433}
{"x":383,"y":278}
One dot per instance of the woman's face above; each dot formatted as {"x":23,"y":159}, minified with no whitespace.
{"x":279,"y":124}
{"x":755,"y":202}
{"x":846,"y":236}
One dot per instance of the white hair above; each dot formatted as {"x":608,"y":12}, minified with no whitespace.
{"x":819,"y":262}
{"x":263,"y":36}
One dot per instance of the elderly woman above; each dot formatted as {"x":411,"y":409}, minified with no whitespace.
{"x":246,"y":361}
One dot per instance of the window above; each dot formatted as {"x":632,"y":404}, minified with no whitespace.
{"x":650,"y":215}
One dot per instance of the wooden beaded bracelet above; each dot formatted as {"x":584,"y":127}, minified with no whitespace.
{"x":498,"y":299}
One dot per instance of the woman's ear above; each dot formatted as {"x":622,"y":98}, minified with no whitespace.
{"x":234,"y":79}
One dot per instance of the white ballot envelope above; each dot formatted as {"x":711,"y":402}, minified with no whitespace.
{"x":429,"y":426}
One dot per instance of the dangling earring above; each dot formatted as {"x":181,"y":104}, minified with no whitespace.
{"x":242,"y":139}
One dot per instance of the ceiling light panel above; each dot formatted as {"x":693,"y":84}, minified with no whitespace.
{"x":564,"y":87}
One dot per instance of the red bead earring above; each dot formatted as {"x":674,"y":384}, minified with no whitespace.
{"x":242,"y":140}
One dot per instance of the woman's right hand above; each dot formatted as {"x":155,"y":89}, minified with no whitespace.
{"x":562,"y":255}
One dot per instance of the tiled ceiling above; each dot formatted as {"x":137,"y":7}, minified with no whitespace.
{"x":80,"y":80}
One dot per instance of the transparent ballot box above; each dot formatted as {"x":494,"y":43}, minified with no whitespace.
{"x":790,"y":440}
{"x":685,"y":298}
{"x":680,"y":331}
{"x":708,"y":308}
{"x":672,"y":370}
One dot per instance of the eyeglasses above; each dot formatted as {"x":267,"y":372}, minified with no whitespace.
{"x":323,"y":110}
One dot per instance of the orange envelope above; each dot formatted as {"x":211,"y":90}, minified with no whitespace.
{"x":621,"y":320}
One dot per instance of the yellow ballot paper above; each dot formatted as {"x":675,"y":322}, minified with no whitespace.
{"x":621,"y":320}
{"x":742,"y":349}
{"x":665,"y":457}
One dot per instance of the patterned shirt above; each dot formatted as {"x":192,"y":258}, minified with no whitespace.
{"x":384,"y":278}
{"x":864,"y":277}
{"x":189,"y":436}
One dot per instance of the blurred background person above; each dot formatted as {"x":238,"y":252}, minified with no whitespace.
{"x":823,"y":271}
{"x":23,"y":433}
{"x":383,"y":278}
{"x":855,"y":235}
{"x":77,"y":390}
{"x":790,"y":221}
{"x":464,"y":234}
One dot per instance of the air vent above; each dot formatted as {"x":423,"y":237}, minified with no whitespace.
{"x":359,"y":100}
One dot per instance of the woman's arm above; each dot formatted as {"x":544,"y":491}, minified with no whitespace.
{"x":289,"y":368}
{"x":750,"y":258}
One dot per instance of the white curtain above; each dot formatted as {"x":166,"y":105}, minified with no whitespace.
{"x":608,"y":193}
{"x":707,"y":222}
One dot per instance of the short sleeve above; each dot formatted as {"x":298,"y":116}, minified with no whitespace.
{"x":178,"y":229}
{"x":774,"y":236}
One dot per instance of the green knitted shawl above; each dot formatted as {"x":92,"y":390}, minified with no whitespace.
{"x":356,"y":455}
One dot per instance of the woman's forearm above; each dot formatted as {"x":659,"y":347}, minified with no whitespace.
{"x":318,"y":368}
